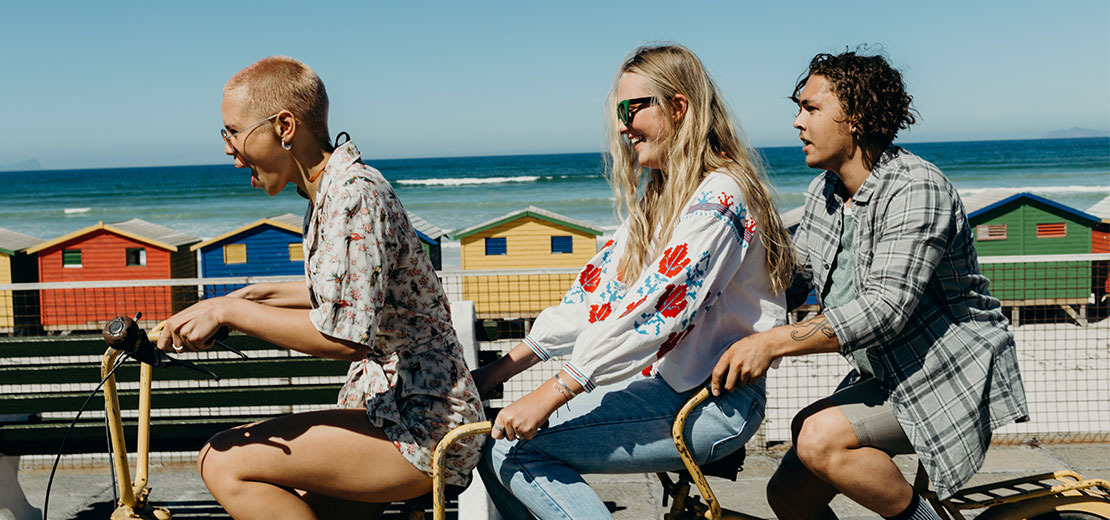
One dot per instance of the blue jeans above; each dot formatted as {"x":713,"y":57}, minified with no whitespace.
{"x":620,"y":428}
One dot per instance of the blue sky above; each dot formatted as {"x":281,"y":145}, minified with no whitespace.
{"x":90,"y":84}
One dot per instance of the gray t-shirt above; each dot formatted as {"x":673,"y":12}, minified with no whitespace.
{"x":841,"y":289}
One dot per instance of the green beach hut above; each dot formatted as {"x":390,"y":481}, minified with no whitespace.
{"x":1021,"y":225}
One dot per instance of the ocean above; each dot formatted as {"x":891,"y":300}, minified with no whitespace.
{"x":454,"y":193}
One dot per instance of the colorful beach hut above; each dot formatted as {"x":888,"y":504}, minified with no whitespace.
{"x":119,"y":252}
{"x":1100,"y":243}
{"x":1100,"y":235}
{"x":266,"y":247}
{"x":16,"y":266}
{"x":430,"y":237}
{"x":532,"y":238}
{"x":1023,"y":224}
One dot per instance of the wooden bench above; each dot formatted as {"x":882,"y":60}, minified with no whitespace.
{"x":44,"y":380}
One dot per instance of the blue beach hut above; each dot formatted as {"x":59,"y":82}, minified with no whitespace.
{"x":430,"y":237}
{"x":266,"y":247}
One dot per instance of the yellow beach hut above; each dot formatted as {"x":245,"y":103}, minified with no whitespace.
{"x":532,"y":238}
{"x":17,"y":266}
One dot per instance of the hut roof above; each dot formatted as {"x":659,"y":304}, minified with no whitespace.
{"x":425,"y":228}
{"x":530,"y":211}
{"x":979,"y":199}
{"x":286,"y":221}
{"x":11,"y":241}
{"x":135,"y":229}
{"x":290,"y":219}
{"x":1101,"y":209}
{"x":1029,"y":196}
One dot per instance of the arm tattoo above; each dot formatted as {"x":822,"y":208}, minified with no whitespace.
{"x":806,"y":329}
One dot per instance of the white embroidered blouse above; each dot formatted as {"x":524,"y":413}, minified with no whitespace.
{"x":709,"y":288}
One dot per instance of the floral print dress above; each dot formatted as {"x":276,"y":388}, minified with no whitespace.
{"x":371,"y":283}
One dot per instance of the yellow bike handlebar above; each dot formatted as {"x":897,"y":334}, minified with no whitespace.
{"x":439,"y":500}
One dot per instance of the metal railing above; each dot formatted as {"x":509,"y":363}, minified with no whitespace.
{"x":1058,"y":307}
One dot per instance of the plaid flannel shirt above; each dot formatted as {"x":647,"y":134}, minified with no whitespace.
{"x":936,"y":338}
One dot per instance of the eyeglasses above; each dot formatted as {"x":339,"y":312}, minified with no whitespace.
{"x":228,"y":135}
{"x":626,"y":110}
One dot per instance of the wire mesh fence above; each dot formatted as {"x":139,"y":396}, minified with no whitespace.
{"x":1058,"y":307}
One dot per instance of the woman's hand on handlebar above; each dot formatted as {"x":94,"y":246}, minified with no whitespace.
{"x":192,"y":329}
{"x":525,"y":416}
{"x":742,"y":364}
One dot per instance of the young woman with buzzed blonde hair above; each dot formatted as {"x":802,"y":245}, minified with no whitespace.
{"x":700,"y":260}
{"x":371,"y":297}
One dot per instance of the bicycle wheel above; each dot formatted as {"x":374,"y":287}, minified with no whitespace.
{"x":1067,"y":515}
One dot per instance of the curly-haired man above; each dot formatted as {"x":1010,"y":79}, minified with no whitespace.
{"x":886,"y":244}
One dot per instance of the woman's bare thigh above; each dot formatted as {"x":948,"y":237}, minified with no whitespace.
{"x":336,"y":453}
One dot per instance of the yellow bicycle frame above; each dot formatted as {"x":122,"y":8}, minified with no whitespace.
{"x":133,"y":501}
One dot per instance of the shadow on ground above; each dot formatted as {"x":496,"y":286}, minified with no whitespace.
{"x":182,"y":510}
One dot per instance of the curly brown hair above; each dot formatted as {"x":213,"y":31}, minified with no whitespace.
{"x":871,"y":93}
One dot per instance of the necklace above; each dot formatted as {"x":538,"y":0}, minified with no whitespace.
{"x":316,"y":175}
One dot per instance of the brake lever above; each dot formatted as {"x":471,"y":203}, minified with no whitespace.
{"x":221,"y":334}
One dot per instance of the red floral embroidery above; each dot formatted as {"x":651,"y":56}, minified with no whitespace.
{"x":590,"y":278}
{"x":632,"y":306}
{"x":599,"y":312}
{"x":647,"y":370}
{"x":673,"y":301}
{"x":725,"y":199}
{"x":607,"y":244}
{"x":673,"y":261}
{"x":672,"y":341}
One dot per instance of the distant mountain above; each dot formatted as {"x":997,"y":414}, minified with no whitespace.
{"x":1076,"y":132}
{"x":29,"y":164}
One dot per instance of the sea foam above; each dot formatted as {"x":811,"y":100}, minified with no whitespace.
{"x":1040,"y":189}
{"x":463,"y":181}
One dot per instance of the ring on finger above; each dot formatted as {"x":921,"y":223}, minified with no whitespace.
{"x":178,"y":349}
{"x":499,"y":427}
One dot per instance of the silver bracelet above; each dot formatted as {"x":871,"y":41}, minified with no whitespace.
{"x":565,"y":390}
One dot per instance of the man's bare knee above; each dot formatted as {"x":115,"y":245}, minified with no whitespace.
{"x":821,"y":437}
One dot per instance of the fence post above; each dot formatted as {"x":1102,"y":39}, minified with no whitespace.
{"x":474,"y":502}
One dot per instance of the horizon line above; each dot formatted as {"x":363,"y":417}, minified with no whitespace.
{"x":3,"y":171}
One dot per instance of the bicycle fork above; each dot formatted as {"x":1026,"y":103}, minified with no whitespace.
{"x":133,"y":502}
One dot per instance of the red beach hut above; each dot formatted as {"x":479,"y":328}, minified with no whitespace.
{"x":115,"y":254}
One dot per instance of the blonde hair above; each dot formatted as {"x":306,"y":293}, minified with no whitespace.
{"x":706,"y":139}
{"x":278,"y":83}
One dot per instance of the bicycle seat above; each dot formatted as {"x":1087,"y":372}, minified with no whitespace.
{"x":725,"y":467}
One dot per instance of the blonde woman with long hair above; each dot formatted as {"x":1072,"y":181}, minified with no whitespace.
{"x":700,"y":260}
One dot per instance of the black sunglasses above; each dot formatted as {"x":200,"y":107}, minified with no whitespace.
{"x":626,"y":110}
